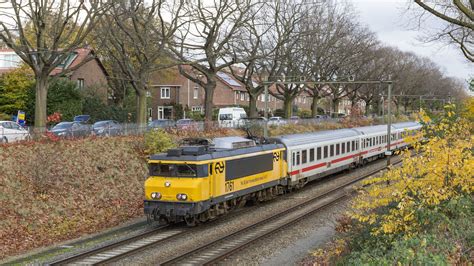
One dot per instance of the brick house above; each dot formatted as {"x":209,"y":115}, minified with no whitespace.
{"x":169,"y":88}
{"x":81,"y":66}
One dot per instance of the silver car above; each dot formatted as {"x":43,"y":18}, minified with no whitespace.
{"x":11,"y":132}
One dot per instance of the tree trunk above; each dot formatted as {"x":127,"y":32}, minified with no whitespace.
{"x":41,"y":102}
{"x":253,"y":113}
{"x":208,"y":99}
{"x":314,"y":106}
{"x":335,"y":105}
{"x":367,"y":108}
{"x":287,"y":107}
{"x":141,"y":107}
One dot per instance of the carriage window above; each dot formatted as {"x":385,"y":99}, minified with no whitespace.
{"x":298,"y":158}
{"x":353,"y":145}
{"x":294,"y":157}
{"x":331,"y":151}
{"x":311,"y":155}
{"x":304,"y":156}
{"x":356,"y":146}
{"x":337,"y":148}
{"x":348,"y":146}
{"x":343,"y":145}
{"x":318,"y":153}
{"x":325,"y":151}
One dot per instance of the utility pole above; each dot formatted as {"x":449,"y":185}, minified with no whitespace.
{"x":389,"y":124}
{"x":265,"y":111}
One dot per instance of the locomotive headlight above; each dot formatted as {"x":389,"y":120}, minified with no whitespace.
{"x":181,"y":196}
{"x":156,"y":195}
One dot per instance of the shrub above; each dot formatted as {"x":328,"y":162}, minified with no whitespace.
{"x":157,"y":141}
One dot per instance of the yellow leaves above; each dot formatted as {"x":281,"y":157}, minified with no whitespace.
{"x":442,"y":172}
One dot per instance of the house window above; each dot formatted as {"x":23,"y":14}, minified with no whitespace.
{"x":150,"y":113}
{"x":165,"y":93}
{"x":196,"y":108}
{"x":80,"y":84}
{"x":242,"y":96}
{"x":196,"y":92}
{"x":304,"y":99}
{"x":237,"y":95}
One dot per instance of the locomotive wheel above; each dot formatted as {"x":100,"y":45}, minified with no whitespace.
{"x":191,"y":220}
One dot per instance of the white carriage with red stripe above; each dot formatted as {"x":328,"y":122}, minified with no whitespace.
{"x":314,"y":155}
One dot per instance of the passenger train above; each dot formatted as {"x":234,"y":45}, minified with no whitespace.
{"x":199,"y":182}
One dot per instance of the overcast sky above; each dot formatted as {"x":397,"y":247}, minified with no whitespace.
{"x":389,"y":20}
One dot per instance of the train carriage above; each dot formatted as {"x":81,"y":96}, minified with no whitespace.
{"x":314,"y":155}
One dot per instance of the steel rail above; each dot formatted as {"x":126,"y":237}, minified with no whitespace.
{"x":120,"y":248}
{"x":221,"y":248}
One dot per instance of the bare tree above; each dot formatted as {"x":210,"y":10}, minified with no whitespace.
{"x":261,"y":51}
{"x":134,"y":35}
{"x":328,"y":27}
{"x":202,"y":41}
{"x":43,"y":34}
{"x":459,"y":18}
{"x":350,"y":59}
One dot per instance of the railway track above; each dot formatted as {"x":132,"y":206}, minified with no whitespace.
{"x":122,"y":248}
{"x":218,"y":249}
{"x":221,"y":248}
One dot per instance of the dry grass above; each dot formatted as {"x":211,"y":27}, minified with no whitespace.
{"x":61,"y":190}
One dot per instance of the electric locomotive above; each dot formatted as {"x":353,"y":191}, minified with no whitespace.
{"x":198,"y":183}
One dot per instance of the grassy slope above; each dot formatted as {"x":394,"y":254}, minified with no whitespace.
{"x":56,"y":191}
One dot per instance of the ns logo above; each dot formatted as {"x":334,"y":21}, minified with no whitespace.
{"x":219,"y":167}
{"x":276,"y":156}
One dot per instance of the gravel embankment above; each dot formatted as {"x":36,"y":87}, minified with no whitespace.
{"x":283,"y":247}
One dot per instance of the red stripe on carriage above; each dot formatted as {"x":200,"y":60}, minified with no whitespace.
{"x":294,"y":172}
{"x":312,"y":167}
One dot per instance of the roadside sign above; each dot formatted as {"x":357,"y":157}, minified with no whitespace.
{"x":20,"y":118}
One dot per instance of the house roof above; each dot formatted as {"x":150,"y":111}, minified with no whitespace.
{"x":74,"y":60}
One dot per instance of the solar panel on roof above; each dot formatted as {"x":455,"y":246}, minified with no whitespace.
{"x":228,"y":79}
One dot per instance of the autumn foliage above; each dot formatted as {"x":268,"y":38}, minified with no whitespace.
{"x":53,"y":191}
{"x":421,"y":213}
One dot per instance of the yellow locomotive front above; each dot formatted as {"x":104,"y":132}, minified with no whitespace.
{"x":178,"y":185}
{"x":198,"y":183}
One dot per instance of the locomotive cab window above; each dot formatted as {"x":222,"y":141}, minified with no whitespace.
{"x":178,"y":170}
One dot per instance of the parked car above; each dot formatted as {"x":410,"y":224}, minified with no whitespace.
{"x":160,"y":123}
{"x":107,"y":128}
{"x":276,"y":120}
{"x":231,"y":116}
{"x":11,"y":132}
{"x":81,"y":118}
{"x":71,"y":130}
{"x":186,"y":124}
{"x":294,"y":119}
